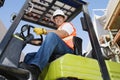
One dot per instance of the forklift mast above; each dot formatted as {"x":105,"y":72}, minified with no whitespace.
{"x":40,"y":12}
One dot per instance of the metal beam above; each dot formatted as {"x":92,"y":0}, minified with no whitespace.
{"x":95,"y":44}
{"x":12,"y":28}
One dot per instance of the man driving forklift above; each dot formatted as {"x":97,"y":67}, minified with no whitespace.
{"x":56,"y":42}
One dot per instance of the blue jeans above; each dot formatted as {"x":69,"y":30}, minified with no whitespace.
{"x":52,"y":44}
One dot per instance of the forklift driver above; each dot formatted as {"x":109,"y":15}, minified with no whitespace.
{"x":56,"y":42}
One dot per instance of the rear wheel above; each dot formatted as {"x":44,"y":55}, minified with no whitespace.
{"x":68,"y":78}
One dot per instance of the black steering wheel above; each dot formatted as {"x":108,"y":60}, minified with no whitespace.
{"x":29,"y":37}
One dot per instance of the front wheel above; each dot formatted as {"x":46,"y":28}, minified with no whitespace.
{"x":3,"y":77}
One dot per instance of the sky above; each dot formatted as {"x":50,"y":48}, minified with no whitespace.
{"x":14,"y":6}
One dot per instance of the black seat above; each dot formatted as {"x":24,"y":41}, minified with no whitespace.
{"x":77,"y":45}
{"x":77,"y":48}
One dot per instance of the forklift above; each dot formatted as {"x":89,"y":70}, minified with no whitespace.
{"x":79,"y":68}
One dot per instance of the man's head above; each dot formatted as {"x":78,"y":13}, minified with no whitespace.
{"x":58,"y":17}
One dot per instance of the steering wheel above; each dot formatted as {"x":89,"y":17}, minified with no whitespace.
{"x":29,"y":37}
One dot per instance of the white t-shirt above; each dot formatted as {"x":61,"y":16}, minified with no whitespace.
{"x":68,"y":28}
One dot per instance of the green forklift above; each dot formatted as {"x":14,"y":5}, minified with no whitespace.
{"x":67,"y":67}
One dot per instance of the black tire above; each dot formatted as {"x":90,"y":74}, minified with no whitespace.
{"x":3,"y":78}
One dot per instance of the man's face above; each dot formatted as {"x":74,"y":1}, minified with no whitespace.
{"x":59,"y":20}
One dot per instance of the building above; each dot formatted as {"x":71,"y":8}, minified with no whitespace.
{"x":2,"y":30}
{"x":108,"y":24}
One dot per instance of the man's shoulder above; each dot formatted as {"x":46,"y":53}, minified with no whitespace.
{"x":68,"y":23}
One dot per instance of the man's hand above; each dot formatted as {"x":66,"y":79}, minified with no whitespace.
{"x":40,"y":31}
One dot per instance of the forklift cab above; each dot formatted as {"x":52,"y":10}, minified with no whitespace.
{"x":36,"y":12}
{"x":40,"y":12}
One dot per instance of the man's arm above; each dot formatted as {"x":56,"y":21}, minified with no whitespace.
{"x":65,"y":31}
{"x":60,"y":33}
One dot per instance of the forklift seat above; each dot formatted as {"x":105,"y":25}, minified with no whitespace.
{"x":77,"y":45}
{"x":77,"y":49}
